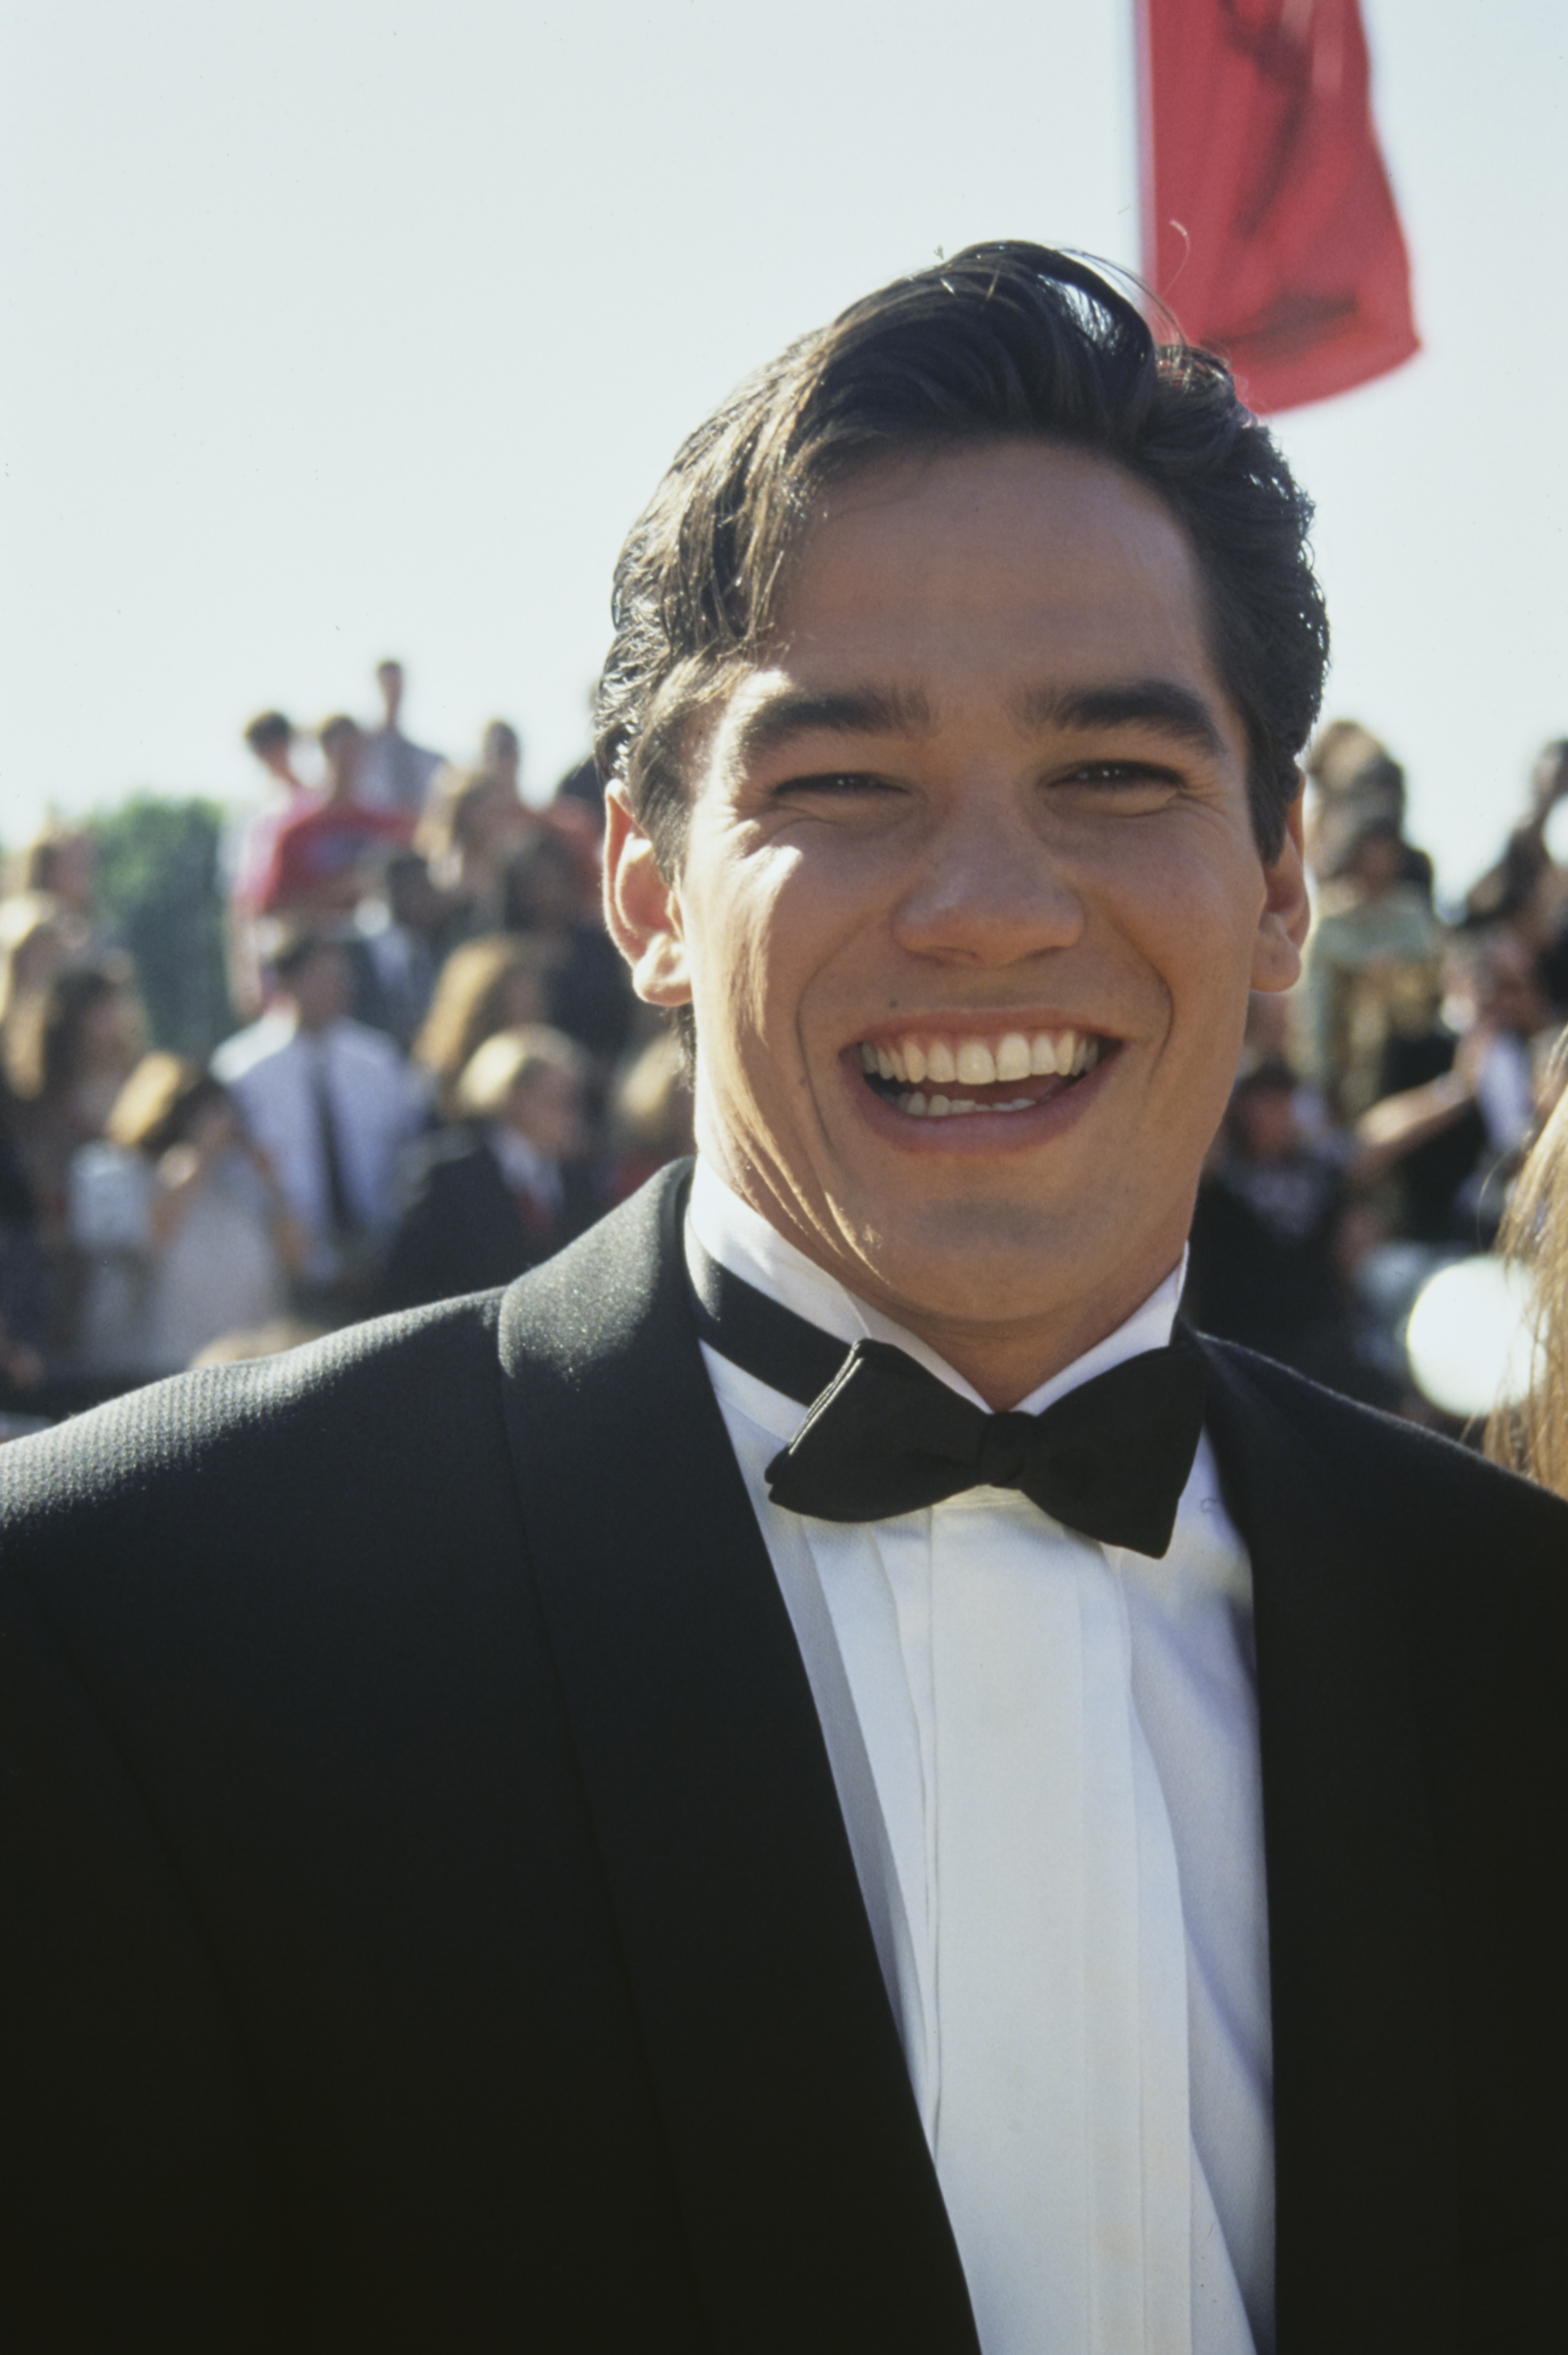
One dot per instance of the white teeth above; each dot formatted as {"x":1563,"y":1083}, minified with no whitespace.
{"x":980,"y":1063}
{"x":943,"y":1107}
{"x":1013,"y":1056}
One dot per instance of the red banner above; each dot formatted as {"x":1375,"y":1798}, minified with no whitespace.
{"x":1269,"y":225}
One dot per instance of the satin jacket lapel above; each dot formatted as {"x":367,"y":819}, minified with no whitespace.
{"x":813,"y":2210}
{"x":1365,"y":2132}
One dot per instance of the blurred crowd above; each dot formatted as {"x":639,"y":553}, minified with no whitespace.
{"x":1383,"y":1109}
{"x":437,"y":1074}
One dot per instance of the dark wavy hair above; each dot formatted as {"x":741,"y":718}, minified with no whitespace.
{"x":1005,"y":340}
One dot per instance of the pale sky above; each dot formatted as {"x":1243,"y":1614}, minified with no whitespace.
{"x":359,"y":327}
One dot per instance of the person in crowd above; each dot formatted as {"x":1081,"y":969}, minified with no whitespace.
{"x":400,"y":930}
{"x":496,"y":983}
{"x":60,"y":861}
{"x":396,"y":773}
{"x":586,"y":988}
{"x":272,"y":739}
{"x":1372,"y":970}
{"x":509,"y":1188}
{"x":1456,"y":1104}
{"x":1524,"y":889}
{"x":180,"y":1225}
{"x":332,"y":1106}
{"x":1266,"y":1265}
{"x":28,"y":1317}
{"x":650,"y":1114}
{"x":818,"y":1773}
{"x":582,"y":787}
{"x":473,"y":822}
{"x":323,"y":854}
{"x":26,"y":1313}
{"x":70,"y":1049}
{"x":1530,"y":1434}
{"x":1354,"y":782}
{"x":501,"y":754}
{"x":38,"y":941}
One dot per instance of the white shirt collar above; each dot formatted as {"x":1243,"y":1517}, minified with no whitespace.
{"x":741,"y":1239}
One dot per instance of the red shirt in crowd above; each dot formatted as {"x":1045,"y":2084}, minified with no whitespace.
{"x":317,"y":854}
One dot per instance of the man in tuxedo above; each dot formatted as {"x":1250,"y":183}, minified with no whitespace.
{"x":819,"y":1773}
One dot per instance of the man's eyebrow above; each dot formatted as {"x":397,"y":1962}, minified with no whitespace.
{"x":1159,"y":703}
{"x":841,"y":711}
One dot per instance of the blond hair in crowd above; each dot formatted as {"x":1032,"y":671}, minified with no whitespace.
{"x":495,"y":983}
{"x":511,"y":1060}
{"x":1532,"y":1437}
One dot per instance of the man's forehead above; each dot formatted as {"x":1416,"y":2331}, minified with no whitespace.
{"x":1024,"y":575}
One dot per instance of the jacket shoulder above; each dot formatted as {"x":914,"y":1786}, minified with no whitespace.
{"x":613,"y":1299}
{"x":1377,"y":1464}
{"x":333,"y":1424}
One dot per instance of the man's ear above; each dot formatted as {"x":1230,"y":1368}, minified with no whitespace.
{"x":1286,"y":915}
{"x":642,"y":910}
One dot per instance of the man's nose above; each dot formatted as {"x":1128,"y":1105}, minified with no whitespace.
{"x":988,"y":889}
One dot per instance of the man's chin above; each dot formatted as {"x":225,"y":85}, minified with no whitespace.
{"x":968,"y":1262}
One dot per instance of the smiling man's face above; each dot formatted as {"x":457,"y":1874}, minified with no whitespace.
{"x":970,"y":903}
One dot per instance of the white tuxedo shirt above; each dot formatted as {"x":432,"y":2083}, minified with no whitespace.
{"x":1046,"y":1751}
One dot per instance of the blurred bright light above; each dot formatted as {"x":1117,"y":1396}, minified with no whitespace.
{"x":1468,"y":1336}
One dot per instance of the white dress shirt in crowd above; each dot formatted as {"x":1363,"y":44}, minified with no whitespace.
{"x":1046,"y":1751}
{"x":280,"y":1075}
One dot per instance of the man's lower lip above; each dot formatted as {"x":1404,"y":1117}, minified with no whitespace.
{"x":981,"y":1131}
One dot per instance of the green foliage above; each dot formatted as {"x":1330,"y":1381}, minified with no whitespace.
{"x":160,"y":898}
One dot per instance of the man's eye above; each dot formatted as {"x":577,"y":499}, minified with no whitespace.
{"x":834,"y":784}
{"x":1119,"y":784}
{"x":1118,"y":772}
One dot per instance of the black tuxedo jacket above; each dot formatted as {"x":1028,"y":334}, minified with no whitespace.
{"x":429,"y":1923}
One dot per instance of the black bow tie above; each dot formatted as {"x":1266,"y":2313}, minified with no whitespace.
{"x":883,"y":1436}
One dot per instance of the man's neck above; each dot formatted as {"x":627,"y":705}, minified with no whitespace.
{"x":1001,"y":1367}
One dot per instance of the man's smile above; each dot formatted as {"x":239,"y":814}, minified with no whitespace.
{"x":944,"y":1075}
{"x":988,"y":1120}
